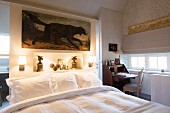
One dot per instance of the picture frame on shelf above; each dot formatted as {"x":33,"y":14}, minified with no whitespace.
{"x":117,"y":61}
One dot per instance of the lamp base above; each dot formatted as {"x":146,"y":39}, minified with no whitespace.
{"x":21,"y":67}
{"x":90,"y":64}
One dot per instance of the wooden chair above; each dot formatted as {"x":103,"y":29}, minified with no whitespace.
{"x":132,"y":87}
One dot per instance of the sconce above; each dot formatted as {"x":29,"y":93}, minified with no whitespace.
{"x":92,"y":60}
{"x":22,"y":61}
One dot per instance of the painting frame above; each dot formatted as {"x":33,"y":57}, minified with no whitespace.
{"x":112,"y":47}
{"x":45,"y":31}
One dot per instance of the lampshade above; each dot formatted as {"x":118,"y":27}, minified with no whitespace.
{"x":22,"y":60}
{"x":119,"y":52}
{"x":92,"y":59}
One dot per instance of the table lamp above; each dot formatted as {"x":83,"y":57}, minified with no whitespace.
{"x":22,"y":61}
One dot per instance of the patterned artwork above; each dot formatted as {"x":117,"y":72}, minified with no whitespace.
{"x":43,"y":31}
{"x":150,"y":25}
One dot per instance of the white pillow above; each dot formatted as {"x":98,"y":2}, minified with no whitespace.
{"x":87,"y":80}
{"x":27,"y":88}
{"x":64,"y":82}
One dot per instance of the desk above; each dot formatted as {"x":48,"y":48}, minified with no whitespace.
{"x":110,"y":78}
{"x":0,"y":96}
{"x":126,"y":75}
{"x":5,"y":88}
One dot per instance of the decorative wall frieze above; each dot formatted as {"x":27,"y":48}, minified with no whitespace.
{"x":150,"y":25}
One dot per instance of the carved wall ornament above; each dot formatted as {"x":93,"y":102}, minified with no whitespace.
{"x":150,"y":25}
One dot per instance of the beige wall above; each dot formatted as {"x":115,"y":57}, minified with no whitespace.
{"x":154,"y":41}
{"x":16,"y":49}
{"x":140,"y":11}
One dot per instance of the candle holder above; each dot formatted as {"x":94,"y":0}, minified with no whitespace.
{"x":74,"y":63}
{"x":40,"y":64}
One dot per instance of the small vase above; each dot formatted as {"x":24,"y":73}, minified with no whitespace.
{"x":74,"y":64}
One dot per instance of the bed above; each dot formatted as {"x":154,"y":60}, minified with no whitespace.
{"x":72,"y":92}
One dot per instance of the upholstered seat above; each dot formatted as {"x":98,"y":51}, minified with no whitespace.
{"x":132,"y":87}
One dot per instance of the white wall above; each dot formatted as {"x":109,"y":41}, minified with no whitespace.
{"x":111,"y":32}
{"x":110,"y":23}
{"x":16,"y":49}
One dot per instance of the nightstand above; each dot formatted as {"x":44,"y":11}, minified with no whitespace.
{"x":1,"y":96}
{"x":5,"y":88}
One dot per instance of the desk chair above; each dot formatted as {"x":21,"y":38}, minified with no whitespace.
{"x":132,"y":87}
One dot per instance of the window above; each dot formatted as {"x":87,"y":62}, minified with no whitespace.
{"x":4,"y":63}
{"x":151,"y":62}
{"x":4,"y":53}
{"x":4,"y":44}
{"x":4,"y":36}
{"x":137,"y":62}
{"x":158,"y":62}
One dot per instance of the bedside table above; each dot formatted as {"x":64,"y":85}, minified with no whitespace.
{"x":0,"y":95}
{"x":5,"y":88}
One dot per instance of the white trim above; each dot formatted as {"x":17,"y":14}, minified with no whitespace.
{"x":56,"y":12}
{"x":146,"y":49}
{"x":147,"y":61}
{"x":150,"y":72}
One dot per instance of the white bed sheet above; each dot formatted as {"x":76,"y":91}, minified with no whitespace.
{"x":102,"y":99}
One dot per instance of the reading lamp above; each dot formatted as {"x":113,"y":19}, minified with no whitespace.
{"x":22,"y":61}
{"x":92,"y":59}
{"x":119,"y":52}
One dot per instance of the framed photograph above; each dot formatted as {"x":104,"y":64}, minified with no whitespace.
{"x":61,"y":62}
{"x":112,"y":62}
{"x":117,"y":61}
{"x":112,"y":47}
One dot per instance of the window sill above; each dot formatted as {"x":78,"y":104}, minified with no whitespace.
{"x":150,"y":72}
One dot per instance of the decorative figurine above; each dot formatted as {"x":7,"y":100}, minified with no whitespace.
{"x":40,"y":64}
{"x":74,"y":63}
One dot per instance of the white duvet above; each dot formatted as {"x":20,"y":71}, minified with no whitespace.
{"x":102,"y":99}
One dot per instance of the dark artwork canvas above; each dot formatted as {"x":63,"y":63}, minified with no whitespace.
{"x":112,"y":47}
{"x":43,"y":31}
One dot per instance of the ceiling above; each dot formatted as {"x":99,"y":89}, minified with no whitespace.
{"x":88,"y":8}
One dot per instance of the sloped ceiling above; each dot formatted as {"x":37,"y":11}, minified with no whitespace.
{"x":88,"y":8}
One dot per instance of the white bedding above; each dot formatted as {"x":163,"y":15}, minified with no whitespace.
{"x":48,"y":83}
{"x":101,"y":99}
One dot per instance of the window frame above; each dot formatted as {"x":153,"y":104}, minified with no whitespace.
{"x":157,"y":63}
{"x":5,"y":54}
{"x":135,"y":55}
{"x":167,"y":55}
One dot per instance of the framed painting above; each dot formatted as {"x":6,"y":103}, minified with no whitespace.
{"x":43,"y":31}
{"x":112,"y":47}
